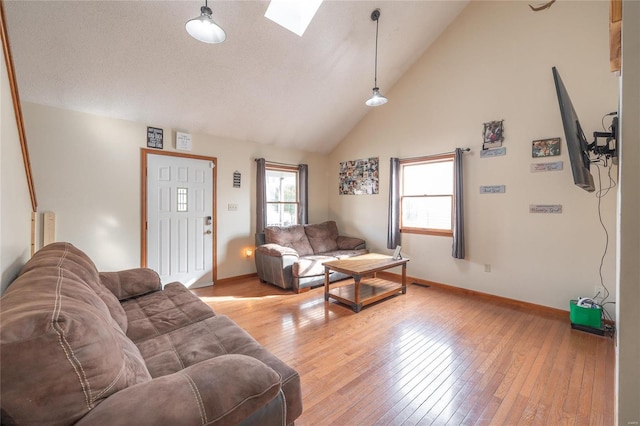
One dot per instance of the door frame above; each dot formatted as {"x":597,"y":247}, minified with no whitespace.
{"x":144,"y":152}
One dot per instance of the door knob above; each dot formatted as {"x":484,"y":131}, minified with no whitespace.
{"x":208,"y":232}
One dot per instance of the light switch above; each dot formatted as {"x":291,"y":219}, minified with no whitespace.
{"x":232,"y":207}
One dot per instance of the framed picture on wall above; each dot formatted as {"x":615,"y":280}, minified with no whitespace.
{"x":359,"y":177}
{"x":545,"y":147}
{"x":154,"y":137}
{"x":492,"y":134}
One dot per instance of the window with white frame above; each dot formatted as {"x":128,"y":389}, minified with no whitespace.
{"x":282,"y":195}
{"x":427,"y":195}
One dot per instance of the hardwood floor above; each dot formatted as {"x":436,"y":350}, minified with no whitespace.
{"x":431,"y":356}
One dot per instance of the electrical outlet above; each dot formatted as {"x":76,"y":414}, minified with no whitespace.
{"x":487,"y":267}
{"x":598,"y":291}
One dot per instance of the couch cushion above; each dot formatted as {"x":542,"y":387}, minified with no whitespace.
{"x":61,"y":352}
{"x":343,"y":254}
{"x":215,"y":336}
{"x":163,"y":311}
{"x":220,"y":391}
{"x":131,"y":282}
{"x":349,"y":243}
{"x":310,"y":265}
{"x":289,"y":236}
{"x":322,"y":236}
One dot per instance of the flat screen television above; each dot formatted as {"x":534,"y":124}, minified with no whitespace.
{"x":577,"y":144}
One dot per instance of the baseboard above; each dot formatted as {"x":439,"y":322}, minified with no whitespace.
{"x":513,"y":302}
{"x":236,"y":278}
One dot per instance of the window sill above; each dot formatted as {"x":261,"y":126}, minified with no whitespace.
{"x":436,"y":232}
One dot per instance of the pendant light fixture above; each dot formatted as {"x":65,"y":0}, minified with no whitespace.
{"x":204,"y":29}
{"x":376,"y":98}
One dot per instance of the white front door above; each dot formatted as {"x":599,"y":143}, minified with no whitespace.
{"x":180,"y":219}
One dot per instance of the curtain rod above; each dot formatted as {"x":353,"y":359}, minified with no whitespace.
{"x":434,"y":155}
{"x":275,"y":162}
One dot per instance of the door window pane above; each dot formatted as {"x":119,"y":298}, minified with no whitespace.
{"x":183,"y":202}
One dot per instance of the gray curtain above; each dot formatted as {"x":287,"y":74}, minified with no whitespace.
{"x":458,"y":209}
{"x":393,"y":231}
{"x":303,"y":190}
{"x":261,"y":195}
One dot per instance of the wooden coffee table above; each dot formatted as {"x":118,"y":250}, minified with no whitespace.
{"x":367,"y":288}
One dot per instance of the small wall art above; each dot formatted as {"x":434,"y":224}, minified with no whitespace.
{"x":546,"y":167}
{"x":492,"y":134}
{"x":154,"y":137}
{"x":545,"y":208}
{"x":493,"y":189}
{"x":497,"y":152}
{"x":183,"y":141}
{"x":359,"y":177}
{"x":545,"y":147}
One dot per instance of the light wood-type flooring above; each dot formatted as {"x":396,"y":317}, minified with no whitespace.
{"x":432,"y":356}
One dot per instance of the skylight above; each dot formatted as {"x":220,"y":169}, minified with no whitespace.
{"x":294,"y":15}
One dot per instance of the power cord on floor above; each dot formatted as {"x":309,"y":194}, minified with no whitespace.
{"x":609,"y":327}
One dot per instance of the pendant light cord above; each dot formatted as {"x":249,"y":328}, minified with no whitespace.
{"x":376,"y":98}
{"x":375,"y":73}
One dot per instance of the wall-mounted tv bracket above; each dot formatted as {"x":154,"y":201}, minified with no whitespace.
{"x":608,"y":149}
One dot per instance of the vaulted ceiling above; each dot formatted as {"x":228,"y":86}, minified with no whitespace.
{"x":134,"y":60}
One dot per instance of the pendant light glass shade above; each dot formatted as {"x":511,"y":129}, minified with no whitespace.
{"x":204,"y":29}
{"x":376,"y":98}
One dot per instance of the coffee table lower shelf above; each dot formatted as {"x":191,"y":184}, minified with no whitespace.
{"x":371,"y":290}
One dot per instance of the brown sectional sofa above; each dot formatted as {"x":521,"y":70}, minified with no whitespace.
{"x":291,"y":257}
{"x":79,"y":346}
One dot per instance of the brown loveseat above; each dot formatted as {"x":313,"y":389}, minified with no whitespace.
{"x":79,"y":346}
{"x":292,"y":256}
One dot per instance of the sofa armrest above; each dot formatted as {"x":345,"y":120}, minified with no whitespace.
{"x":276,"y":250}
{"x":132,"y":282}
{"x":274,"y":263}
{"x":223,"y":391}
{"x":350,"y":243}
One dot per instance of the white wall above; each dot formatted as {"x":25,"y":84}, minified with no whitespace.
{"x":15,"y":201}
{"x":87,"y":169}
{"x":628,"y":347}
{"x":494,"y":62}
